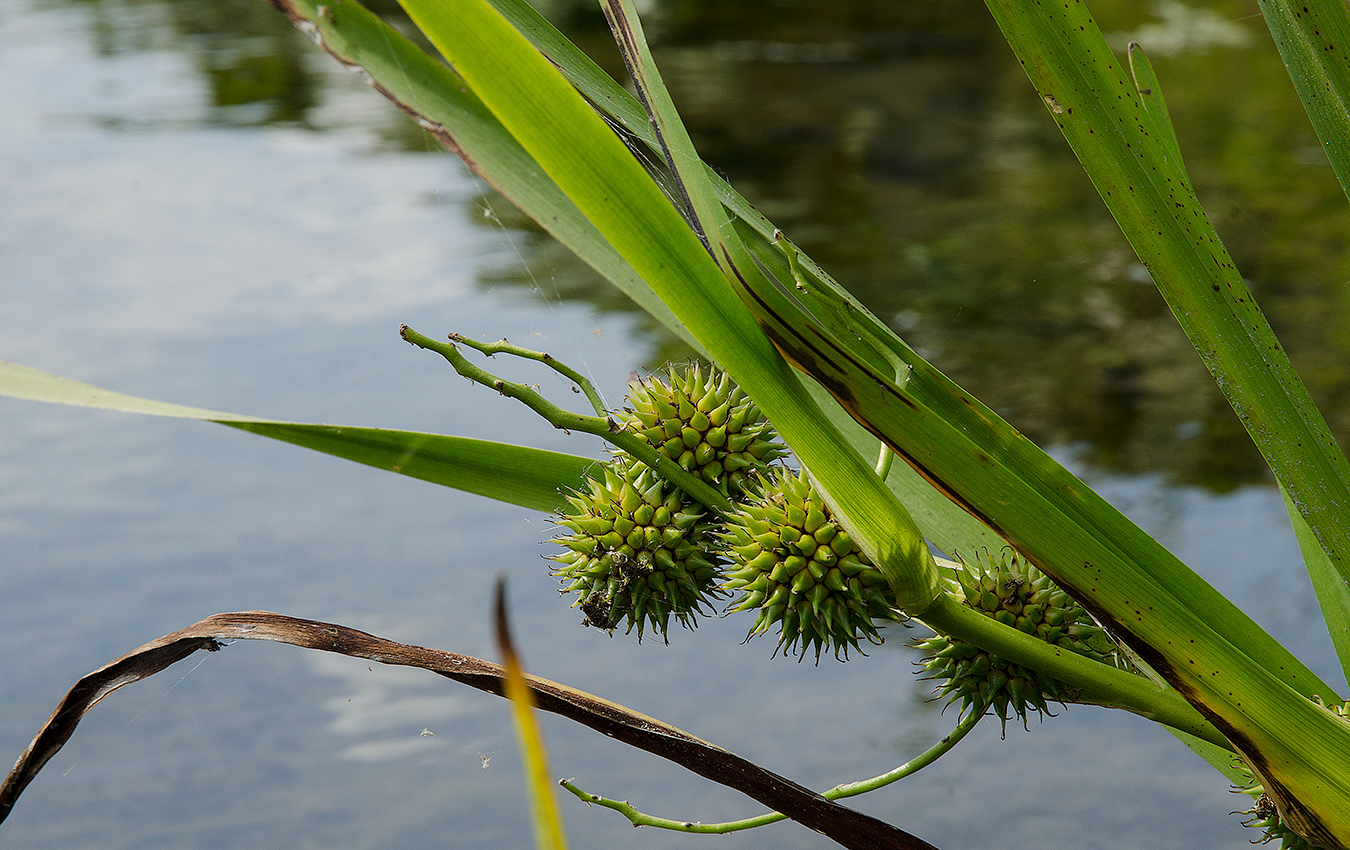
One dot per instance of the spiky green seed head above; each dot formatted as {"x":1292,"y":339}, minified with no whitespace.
{"x":700,"y":419}
{"x":793,"y":563}
{"x":635,"y":551}
{"x":1017,"y":594}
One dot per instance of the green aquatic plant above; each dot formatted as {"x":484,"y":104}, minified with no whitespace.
{"x":1078,"y":588}
{"x":701,"y":420}
{"x":636,"y":551}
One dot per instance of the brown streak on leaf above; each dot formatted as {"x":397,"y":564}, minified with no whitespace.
{"x":1295,"y":815}
{"x":809,"y":360}
{"x":630,"y":49}
{"x":845,"y":826}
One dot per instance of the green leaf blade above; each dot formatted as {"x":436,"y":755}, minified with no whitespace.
{"x":1313,"y":37}
{"x":440,"y":102}
{"x":1123,"y":139}
{"x":1333,"y":595}
{"x":519,"y":475}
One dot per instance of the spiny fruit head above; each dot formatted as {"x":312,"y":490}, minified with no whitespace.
{"x":792,"y":562}
{"x":701,"y":420}
{"x":635,"y":551}
{"x":1016,"y":594}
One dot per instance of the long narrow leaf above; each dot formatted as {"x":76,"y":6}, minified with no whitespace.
{"x":548,"y":824}
{"x":593,"y":167}
{"x":942,"y":521}
{"x":521,"y":475}
{"x":870,"y":511}
{"x":1110,"y":125}
{"x":1313,"y":37}
{"x":1326,"y":583}
{"x":850,"y":828}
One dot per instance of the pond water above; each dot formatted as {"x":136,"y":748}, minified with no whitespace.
{"x":201,"y":208}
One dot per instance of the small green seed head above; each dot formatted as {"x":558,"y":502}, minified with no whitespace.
{"x":701,"y":420}
{"x":635,"y":551}
{"x":1019,"y":595}
{"x":792,"y":563}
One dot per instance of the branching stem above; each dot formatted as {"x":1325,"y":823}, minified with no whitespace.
{"x":838,"y":792}
{"x":504,"y":347}
{"x":602,"y":425}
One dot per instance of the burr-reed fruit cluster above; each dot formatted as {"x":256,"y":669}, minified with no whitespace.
{"x":639,"y":551}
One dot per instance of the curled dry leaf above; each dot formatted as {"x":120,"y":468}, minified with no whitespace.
{"x":845,"y":826}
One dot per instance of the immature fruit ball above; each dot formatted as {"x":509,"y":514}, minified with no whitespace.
{"x":701,"y":420}
{"x":635,"y":551}
{"x":794,"y":564}
{"x":1016,"y":594}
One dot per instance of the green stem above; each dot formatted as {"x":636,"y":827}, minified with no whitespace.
{"x":504,"y":347}
{"x":1100,"y":684}
{"x":566,"y":420}
{"x":838,"y":792}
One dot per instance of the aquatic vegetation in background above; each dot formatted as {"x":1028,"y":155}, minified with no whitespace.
{"x":1080,"y":606}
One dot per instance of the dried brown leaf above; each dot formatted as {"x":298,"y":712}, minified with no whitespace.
{"x":845,"y":826}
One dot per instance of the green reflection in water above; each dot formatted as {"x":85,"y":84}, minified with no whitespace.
{"x":901,"y":145}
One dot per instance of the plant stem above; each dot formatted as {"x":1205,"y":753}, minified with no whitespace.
{"x":503,"y":347}
{"x":884,"y":461}
{"x":838,"y":792}
{"x":1100,"y":684}
{"x":566,"y":420}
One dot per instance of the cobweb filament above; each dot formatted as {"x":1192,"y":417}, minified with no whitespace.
{"x":654,"y":165}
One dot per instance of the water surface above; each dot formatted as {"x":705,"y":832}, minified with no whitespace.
{"x":201,"y":208}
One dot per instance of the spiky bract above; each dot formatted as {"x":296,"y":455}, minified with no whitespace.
{"x":792,"y":562}
{"x":701,"y":420}
{"x":636,"y":554}
{"x":1016,"y":594}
